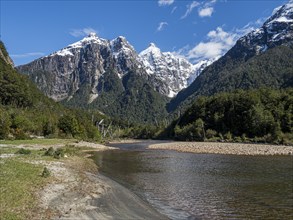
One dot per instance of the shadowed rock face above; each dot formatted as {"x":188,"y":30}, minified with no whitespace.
{"x":61,"y":74}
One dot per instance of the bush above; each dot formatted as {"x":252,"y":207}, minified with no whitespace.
{"x":228,"y":136}
{"x":24,"y":151}
{"x":46,"y":172}
{"x":49,"y":152}
{"x":59,"y":153}
{"x":19,"y":134}
{"x":211,"y":133}
{"x":69,"y":125}
{"x":4,"y":124}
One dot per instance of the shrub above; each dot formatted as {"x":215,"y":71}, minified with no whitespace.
{"x":4,"y":124}
{"x":228,"y":136}
{"x":49,"y":152}
{"x":19,"y":134}
{"x":46,"y":172}
{"x":211,"y":133}
{"x":69,"y":125}
{"x":23,"y":151}
{"x":59,"y":153}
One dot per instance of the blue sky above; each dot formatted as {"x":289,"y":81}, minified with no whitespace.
{"x":196,"y":29}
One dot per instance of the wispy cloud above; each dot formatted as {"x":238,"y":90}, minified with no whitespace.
{"x":174,"y":9}
{"x":82,"y":32}
{"x":25,"y":55}
{"x":165,"y":2}
{"x":190,"y":7}
{"x":207,"y":9}
{"x":161,"y":25}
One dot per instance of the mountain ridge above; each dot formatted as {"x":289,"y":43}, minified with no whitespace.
{"x":230,"y":72}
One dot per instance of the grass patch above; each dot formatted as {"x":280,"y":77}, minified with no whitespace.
{"x":38,"y":141}
{"x":18,"y":182}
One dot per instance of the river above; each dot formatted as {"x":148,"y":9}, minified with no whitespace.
{"x":203,"y":186}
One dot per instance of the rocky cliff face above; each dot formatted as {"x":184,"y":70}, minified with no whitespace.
{"x":101,"y":74}
{"x":169,"y":73}
{"x":277,"y":30}
{"x":61,"y":74}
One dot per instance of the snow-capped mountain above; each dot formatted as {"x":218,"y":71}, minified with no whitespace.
{"x":262,"y":58}
{"x":170,"y":73}
{"x":277,"y":30}
{"x":61,"y":74}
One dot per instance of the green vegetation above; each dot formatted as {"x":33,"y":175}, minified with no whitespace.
{"x":131,"y":100}
{"x":25,"y":112}
{"x":46,"y":172}
{"x":23,"y":151}
{"x":263,"y":115}
{"x":23,"y":176}
{"x":41,"y":141}
{"x":272,"y":69}
{"x":18,"y":183}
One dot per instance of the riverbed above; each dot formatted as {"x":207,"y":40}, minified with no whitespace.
{"x":203,"y":186}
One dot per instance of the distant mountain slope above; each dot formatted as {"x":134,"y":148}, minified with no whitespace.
{"x":94,"y":73}
{"x":169,"y":73}
{"x":262,"y":58}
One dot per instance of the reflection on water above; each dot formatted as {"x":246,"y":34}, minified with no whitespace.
{"x":205,"y":186}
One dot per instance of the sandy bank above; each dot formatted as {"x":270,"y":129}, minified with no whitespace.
{"x":77,"y":191}
{"x":225,"y":148}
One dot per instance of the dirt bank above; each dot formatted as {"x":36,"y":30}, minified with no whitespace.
{"x":78,"y":191}
{"x":225,"y":148}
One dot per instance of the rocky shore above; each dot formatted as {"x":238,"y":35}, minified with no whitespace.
{"x":225,"y":148}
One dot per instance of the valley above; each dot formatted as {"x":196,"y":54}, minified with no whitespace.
{"x":105,"y":128}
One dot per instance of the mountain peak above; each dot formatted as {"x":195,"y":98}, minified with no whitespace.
{"x":152,"y":45}
{"x":151,"y":51}
{"x":277,"y":30}
{"x":282,"y":14}
{"x":92,"y":35}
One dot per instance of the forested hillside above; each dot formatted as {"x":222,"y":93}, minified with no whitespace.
{"x":25,"y":111}
{"x":273,"y":69}
{"x":263,"y":115}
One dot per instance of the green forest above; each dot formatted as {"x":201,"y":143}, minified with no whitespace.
{"x":262,"y":115}
{"x":25,"y":112}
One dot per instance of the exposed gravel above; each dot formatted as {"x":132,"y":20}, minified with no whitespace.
{"x":225,"y":148}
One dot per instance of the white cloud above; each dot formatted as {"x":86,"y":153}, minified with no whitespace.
{"x":162,"y":25}
{"x":174,"y":9}
{"x":206,"y":12}
{"x":82,"y":32}
{"x":219,"y":42}
{"x":165,"y":2}
{"x":207,"y":9}
{"x":25,"y":55}
{"x":190,"y":7}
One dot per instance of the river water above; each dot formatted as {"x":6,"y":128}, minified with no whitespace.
{"x":204,"y":186}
